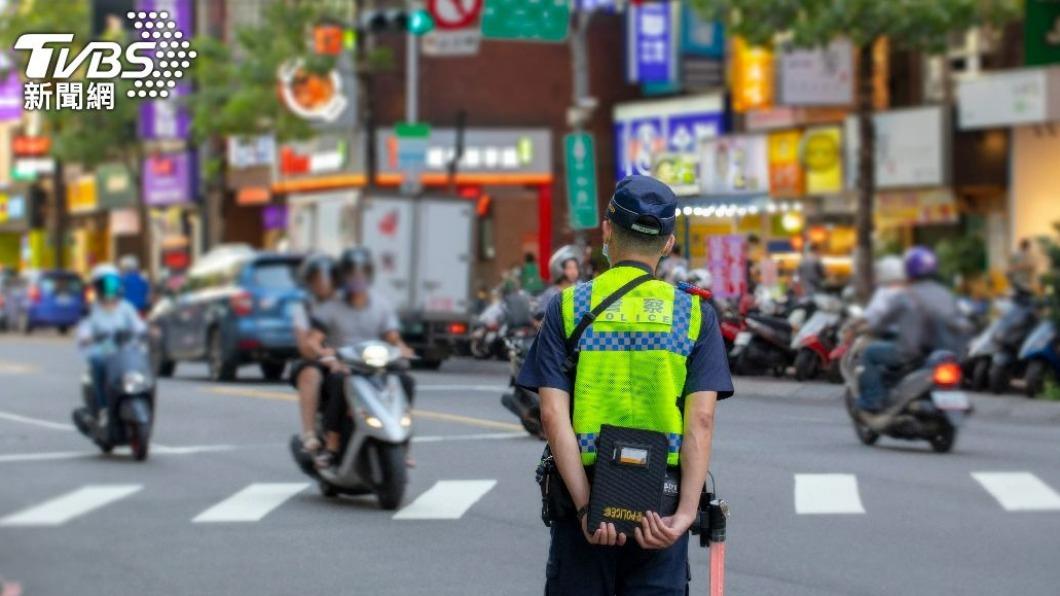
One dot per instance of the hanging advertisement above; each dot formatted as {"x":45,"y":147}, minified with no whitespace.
{"x":326,"y":100}
{"x":1009,"y":98}
{"x":124,"y":222}
{"x":81,"y":195}
{"x":911,"y":148}
{"x":700,"y":36}
{"x":727,"y":262}
{"x":167,"y":179}
{"x":752,"y":76}
{"x":651,"y":44}
{"x":818,"y":77}
{"x":679,"y":171}
{"x":916,"y":207}
{"x":821,"y":155}
{"x":734,"y":165}
{"x":169,"y":118}
{"x":647,"y":129}
{"x":11,"y":98}
{"x":785,"y":168}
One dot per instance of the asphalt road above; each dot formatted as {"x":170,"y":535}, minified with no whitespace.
{"x":220,"y":508}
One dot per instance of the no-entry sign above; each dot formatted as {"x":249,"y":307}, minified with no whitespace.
{"x":454,"y":14}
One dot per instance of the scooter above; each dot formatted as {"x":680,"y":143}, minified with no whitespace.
{"x":377,"y":433}
{"x":1039,"y":358}
{"x":526,"y":405}
{"x":765,"y":346}
{"x":924,"y":400}
{"x":487,"y":332}
{"x":130,"y":390}
{"x":1015,"y":326}
{"x":815,"y":340}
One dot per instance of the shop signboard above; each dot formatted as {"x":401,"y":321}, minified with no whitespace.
{"x":818,"y":77}
{"x":523,"y":151}
{"x":250,"y":152}
{"x":11,"y":98}
{"x":167,"y":179}
{"x":327,"y":100}
{"x":652,"y":42}
{"x":81,"y":195}
{"x":734,"y":165}
{"x":169,"y":118}
{"x":647,"y":129}
{"x":1041,"y":32}
{"x":821,"y":155}
{"x":752,"y":76}
{"x":727,"y":262}
{"x":916,"y":207}
{"x":785,"y":168}
{"x":538,"y":20}
{"x":700,"y":36}
{"x":911,"y":148}
{"x":679,"y":170}
{"x":580,"y":153}
{"x":115,"y":186}
{"x":313,"y":157}
{"x":124,"y":222}
{"x":1009,"y":98}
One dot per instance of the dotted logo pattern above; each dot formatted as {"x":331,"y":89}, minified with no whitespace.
{"x":173,"y":54}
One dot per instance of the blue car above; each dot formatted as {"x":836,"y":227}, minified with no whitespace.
{"x":234,"y":308}
{"x":41,"y":299}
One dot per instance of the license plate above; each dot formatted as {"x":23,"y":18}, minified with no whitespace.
{"x":742,"y":338}
{"x":64,"y":300}
{"x":950,"y":400}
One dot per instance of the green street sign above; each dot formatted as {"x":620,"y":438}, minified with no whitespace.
{"x":412,"y":130}
{"x":581,"y":181}
{"x":543,"y":20}
{"x":1041,"y":32}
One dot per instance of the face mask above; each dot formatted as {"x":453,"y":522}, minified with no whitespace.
{"x":357,"y":286}
{"x":607,"y":253}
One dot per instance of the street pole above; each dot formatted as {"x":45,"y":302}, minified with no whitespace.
{"x":412,"y":75}
{"x":581,"y":108}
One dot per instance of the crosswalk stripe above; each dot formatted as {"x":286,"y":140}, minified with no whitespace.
{"x":252,"y":503}
{"x":827,"y":494}
{"x":447,"y":499}
{"x":1019,"y":491}
{"x":66,"y":507}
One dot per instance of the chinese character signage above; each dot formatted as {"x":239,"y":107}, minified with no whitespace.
{"x":167,"y":179}
{"x":651,"y":43}
{"x":81,"y":195}
{"x":734,"y":165}
{"x":647,"y":129}
{"x":752,"y":76}
{"x":10,"y":91}
{"x":822,"y":160}
{"x":727,"y":262}
{"x":785,"y":171}
{"x":115,"y":186}
{"x":818,"y":77}
{"x":700,"y":37}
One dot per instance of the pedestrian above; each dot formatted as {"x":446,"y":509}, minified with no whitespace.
{"x":530,"y":275}
{"x":1021,"y":267}
{"x":810,"y":273}
{"x":629,"y":366}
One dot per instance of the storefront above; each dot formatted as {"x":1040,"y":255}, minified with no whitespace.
{"x":13,"y":228}
{"x":86,"y":227}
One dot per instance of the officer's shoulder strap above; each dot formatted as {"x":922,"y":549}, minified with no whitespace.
{"x":589,"y":317}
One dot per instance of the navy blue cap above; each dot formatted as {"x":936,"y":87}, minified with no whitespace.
{"x":643,"y":204}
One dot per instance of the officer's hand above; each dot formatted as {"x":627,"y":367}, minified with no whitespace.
{"x":605,"y":535}
{"x":657,"y":532}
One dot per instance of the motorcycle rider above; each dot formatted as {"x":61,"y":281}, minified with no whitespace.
{"x":307,"y":374}
{"x":108,"y":316}
{"x":354,"y":315}
{"x":564,"y":270}
{"x":921,"y":317}
{"x":135,"y":288}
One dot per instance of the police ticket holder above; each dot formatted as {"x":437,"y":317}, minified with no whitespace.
{"x":628,"y":477}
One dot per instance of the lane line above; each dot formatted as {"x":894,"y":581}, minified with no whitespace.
{"x":428,"y":414}
{"x":36,"y":421}
{"x":483,"y":388}
{"x":1019,"y":491}
{"x":447,"y":499}
{"x":817,"y":494}
{"x":9,"y":367}
{"x":252,"y":503}
{"x":472,"y":437}
{"x":55,"y":455}
{"x":66,"y":507}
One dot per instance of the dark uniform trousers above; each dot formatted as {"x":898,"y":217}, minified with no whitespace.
{"x":577,"y":568}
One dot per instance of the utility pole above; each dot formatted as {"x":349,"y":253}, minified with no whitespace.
{"x":582,"y":104}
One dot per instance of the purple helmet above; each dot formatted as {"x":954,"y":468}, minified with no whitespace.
{"x":920,"y":262}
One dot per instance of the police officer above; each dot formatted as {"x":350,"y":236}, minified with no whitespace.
{"x":654,"y":361}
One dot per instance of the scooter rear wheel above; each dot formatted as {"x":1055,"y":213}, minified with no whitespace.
{"x":865,"y":434}
{"x":1034,"y":378}
{"x":139,"y":440}
{"x":980,"y":374}
{"x":943,"y":442}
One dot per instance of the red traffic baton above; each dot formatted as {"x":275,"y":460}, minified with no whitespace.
{"x":719,"y":516}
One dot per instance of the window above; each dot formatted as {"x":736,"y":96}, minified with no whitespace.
{"x":275,"y":275}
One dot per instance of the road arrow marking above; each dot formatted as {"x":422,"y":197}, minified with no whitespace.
{"x":447,"y":499}
{"x":252,"y":503}
{"x":827,"y":494}
{"x":1019,"y":491}
{"x":79,"y":502}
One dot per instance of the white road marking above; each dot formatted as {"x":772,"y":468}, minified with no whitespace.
{"x":252,"y":503}
{"x":472,"y":437}
{"x":483,"y":388}
{"x":827,"y":494}
{"x":8,"y":367}
{"x":447,"y":499}
{"x":188,"y":449}
{"x":1019,"y":491}
{"x":54,"y":455}
{"x":79,"y":502}
{"x":36,"y":421}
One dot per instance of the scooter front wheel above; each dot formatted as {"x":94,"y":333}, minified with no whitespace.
{"x":139,"y":440}
{"x":865,"y":434}
{"x":391,"y":462}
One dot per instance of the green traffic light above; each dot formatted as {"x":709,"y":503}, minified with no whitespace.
{"x":420,"y":22}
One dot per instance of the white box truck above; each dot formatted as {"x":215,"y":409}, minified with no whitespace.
{"x":423,"y":259}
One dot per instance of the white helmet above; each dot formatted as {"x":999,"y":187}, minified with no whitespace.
{"x":102,"y":270}
{"x":129,"y":263}
{"x":701,"y":278}
{"x":561,"y":256}
{"x":890,"y":270}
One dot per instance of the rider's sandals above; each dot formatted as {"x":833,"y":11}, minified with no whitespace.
{"x":325,"y":459}
{"x":311,"y":443}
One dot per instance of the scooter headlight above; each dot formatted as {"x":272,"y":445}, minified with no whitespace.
{"x":134,"y":382}
{"x":373,"y":422}
{"x":406,"y":421}
{"x":375,"y":355}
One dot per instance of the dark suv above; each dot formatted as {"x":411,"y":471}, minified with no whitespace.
{"x":234,"y":308}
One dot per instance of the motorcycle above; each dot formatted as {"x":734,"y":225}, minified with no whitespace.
{"x":1039,"y":358}
{"x":130,"y":391}
{"x":1015,"y":325}
{"x":376,"y":436}
{"x":765,"y":345}
{"x":924,"y":400}
{"x":526,"y":405}
{"x":815,"y":340}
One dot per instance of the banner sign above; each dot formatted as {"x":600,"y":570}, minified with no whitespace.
{"x":820,"y":77}
{"x":645,"y":130}
{"x":167,"y":179}
{"x":700,"y":37}
{"x":651,"y":44}
{"x":81,"y":195}
{"x":821,"y":155}
{"x":785,"y":167}
{"x":11,"y":98}
{"x":734,"y":165}
{"x":727,"y":262}
{"x":168,"y":118}
{"x":115,"y":187}
{"x":752,"y":76}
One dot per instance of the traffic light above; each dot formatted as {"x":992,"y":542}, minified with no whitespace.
{"x":37,"y":200}
{"x":416,"y":22}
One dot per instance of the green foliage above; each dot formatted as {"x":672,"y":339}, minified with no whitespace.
{"x":236,"y":84}
{"x":909,"y":24}
{"x":1051,"y":279}
{"x":964,"y":257}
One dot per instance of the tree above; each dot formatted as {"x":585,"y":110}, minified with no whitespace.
{"x":907,"y":25}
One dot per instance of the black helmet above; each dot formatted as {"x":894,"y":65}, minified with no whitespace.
{"x":354,"y":259}
{"x":316,"y":264}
